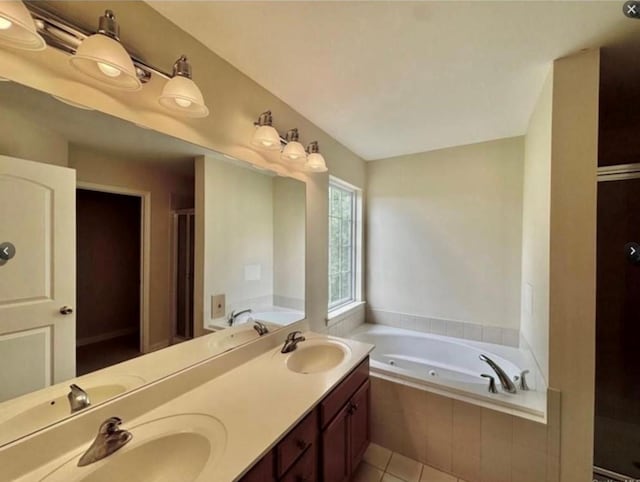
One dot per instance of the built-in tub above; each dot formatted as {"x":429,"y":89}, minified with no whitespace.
{"x":451,"y":366}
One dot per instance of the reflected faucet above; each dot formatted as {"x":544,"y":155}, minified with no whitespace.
{"x":505,"y":381}
{"x":110,"y":438}
{"x":260,"y":327}
{"x":78,"y":398}
{"x":291,"y":343}
{"x":234,"y":315}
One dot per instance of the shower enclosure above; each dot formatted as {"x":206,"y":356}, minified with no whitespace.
{"x":617,"y":409}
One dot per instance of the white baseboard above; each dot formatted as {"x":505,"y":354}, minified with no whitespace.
{"x":105,"y":336}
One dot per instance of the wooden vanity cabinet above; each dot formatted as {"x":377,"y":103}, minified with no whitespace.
{"x":328,"y":444}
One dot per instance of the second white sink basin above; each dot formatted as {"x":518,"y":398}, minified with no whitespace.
{"x":177,"y":448}
{"x":316,"y":356}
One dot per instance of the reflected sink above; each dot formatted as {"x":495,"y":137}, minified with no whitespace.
{"x":317,"y":356}
{"x":40,"y":409}
{"x":237,"y":335}
{"x":180,"y":447}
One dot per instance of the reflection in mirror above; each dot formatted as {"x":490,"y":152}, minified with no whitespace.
{"x":102,"y":224}
{"x":254,"y":251}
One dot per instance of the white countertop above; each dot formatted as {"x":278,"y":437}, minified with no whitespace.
{"x":258,"y":403}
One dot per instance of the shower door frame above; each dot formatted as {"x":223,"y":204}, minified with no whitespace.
{"x":618,"y":172}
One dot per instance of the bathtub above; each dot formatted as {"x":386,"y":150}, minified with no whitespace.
{"x":451,"y":366}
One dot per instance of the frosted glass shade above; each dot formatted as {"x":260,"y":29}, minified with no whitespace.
{"x":315,"y":162}
{"x":107,"y":61}
{"x":266,"y":137}
{"x":17,"y":28}
{"x":294,"y":152}
{"x":181,"y":95}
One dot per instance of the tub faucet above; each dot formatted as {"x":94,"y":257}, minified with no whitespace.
{"x":260,"y":327}
{"x":78,"y":398}
{"x":234,"y":315}
{"x":110,"y":438}
{"x":505,"y":381}
{"x":291,"y":343}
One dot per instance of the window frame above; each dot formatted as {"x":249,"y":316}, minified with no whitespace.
{"x":355,"y":194}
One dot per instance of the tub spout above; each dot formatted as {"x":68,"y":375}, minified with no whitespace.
{"x":505,"y":381}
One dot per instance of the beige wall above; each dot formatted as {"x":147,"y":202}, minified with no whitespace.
{"x":100,"y":168}
{"x":238,"y":232}
{"x":535,"y":229}
{"x":444,"y":233}
{"x":572,"y":290}
{"x":234,"y":100}
{"x":288,"y":242}
{"x":24,"y":138}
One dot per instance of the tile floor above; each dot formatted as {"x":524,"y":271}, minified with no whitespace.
{"x":381,"y":465}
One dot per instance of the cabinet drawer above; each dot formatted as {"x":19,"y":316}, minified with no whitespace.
{"x":262,"y":471}
{"x":331,"y":405}
{"x":296,"y":442}
{"x":305,"y":469}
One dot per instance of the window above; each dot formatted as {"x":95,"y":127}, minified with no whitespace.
{"x":343,"y":202}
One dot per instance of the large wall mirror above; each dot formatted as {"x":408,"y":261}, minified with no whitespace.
{"x":118,"y":246}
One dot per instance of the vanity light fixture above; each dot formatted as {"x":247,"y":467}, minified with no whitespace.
{"x":294,"y":151}
{"x":17,"y":28}
{"x":102,"y":56}
{"x":265,"y":136}
{"x":315,"y":160}
{"x":181,"y":94}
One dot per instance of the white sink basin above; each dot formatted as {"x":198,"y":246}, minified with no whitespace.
{"x":236,"y":336}
{"x":177,"y":448}
{"x":317,"y":356}
{"x":38,"y":410}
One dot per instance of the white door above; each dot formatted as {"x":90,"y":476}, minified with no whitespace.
{"x":37,"y":216}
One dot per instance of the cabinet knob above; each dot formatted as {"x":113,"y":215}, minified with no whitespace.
{"x":301,"y":444}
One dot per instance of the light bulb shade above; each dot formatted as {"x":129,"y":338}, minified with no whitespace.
{"x":17,"y":28}
{"x":106,"y":60}
{"x":315,"y":162}
{"x":182,"y":95}
{"x":266,"y":137}
{"x":294,"y":151}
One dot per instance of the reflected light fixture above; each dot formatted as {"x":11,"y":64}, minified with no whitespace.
{"x":102,"y":56}
{"x":315,"y":160}
{"x":17,"y":28}
{"x":265,"y":136}
{"x":181,"y":94}
{"x":294,"y":151}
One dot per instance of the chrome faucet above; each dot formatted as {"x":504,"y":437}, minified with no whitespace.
{"x":233,"y":315}
{"x":78,"y":398}
{"x":505,"y":381}
{"x":291,"y":343}
{"x":260,"y":327}
{"x":110,"y":438}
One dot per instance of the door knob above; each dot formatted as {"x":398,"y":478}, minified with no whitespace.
{"x":66,"y":310}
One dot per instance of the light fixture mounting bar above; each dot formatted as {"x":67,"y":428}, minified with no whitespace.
{"x":64,"y":35}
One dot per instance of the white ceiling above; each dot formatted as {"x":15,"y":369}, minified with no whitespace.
{"x":393,"y":78}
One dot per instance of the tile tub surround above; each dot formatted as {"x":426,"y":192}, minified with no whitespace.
{"x":455,"y":329}
{"x":470,"y":442}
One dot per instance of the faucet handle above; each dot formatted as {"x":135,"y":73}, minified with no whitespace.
{"x":523,"y":381}
{"x":492,"y":383}
{"x":293,"y":335}
{"x":110,"y":426}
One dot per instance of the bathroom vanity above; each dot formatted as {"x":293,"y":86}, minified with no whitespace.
{"x":329,"y":443}
{"x":254,"y":414}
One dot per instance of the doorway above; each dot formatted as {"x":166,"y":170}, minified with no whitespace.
{"x":617,"y":409}
{"x":182,"y":275}
{"x":109,"y":261}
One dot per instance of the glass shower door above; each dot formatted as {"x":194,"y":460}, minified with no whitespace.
{"x":617,"y":410}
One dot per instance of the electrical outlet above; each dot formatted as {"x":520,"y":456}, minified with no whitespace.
{"x":218,"y":309}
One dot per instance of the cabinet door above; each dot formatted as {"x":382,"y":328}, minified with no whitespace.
{"x":262,"y":471}
{"x":359,"y":424}
{"x":335,"y":448}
